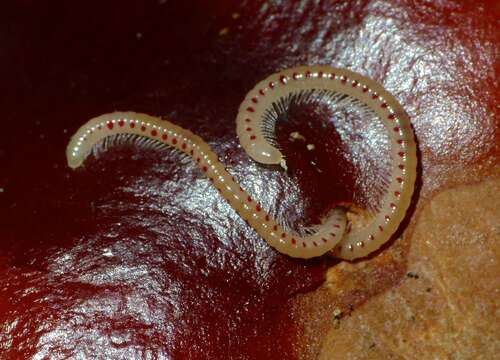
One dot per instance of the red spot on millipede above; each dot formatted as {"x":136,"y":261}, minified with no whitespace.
{"x":401,"y":166}
{"x":248,"y":120}
{"x":258,"y":208}
{"x":315,"y":243}
{"x":267,"y":218}
{"x":164,"y":137}
{"x":254,"y":100}
{"x":250,"y":109}
{"x":362,"y":244}
{"x":401,"y":153}
{"x":275,"y":227}
{"x":387,"y":218}
{"x":261,"y":91}
{"x":249,"y":199}
{"x":400,"y":180}
{"x":174,"y":141}
{"x":371,"y":237}
{"x":354,"y":83}
{"x":271,"y":85}
{"x":121,"y":123}
{"x":283,"y":235}
{"x":253,"y":137}
{"x":154,"y":132}
{"x":303,"y":244}
{"x":324,"y":240}
{"x":132,"y":124}
{"x":295,"y":76}
{"x":343,"y":80}
{"x":294,"y":241}
{"x":191,"y":152}
{"x":381,"y":228}
{"x":391,"y":117}
{"x":320,"y":74}
{"x":396,"y":129}
{"x":384,"y":105}
{"x":374,"y":96}
{"x":392,"y":205}
{"x":184,"y":146}
{"x":336,"y":226}
{"x":205,"y":169}
{"x":283,"y":79}
{"x":109,"y":125}
{"x":308,"y":74}
{"x":333,"y":234}
{"x":365,"y":89}
{"x":397,"y":193}
{"x":198,"y":159}
{"x":143,"y":128}
{"x":249,"y":129}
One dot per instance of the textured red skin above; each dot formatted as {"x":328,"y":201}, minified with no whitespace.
{"x":188,"y":278}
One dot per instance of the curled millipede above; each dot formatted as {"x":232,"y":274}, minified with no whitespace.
{"x":255,"y":128}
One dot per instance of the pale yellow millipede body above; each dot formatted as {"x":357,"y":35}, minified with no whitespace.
{"x":252,"y":128}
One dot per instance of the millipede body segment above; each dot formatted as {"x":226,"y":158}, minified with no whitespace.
{"x":346,"y":87}
{"x":255,"y":132}
{"x":95,"y":130}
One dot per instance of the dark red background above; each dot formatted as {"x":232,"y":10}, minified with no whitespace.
{"x":134,"y":256}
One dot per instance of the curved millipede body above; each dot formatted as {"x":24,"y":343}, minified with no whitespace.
{"x":254,"y":133}
{"x":115,"y":124}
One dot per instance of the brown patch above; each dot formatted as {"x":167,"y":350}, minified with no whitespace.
{"x":436,"y":297}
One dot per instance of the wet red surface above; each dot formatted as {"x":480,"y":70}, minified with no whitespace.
{"x":135,"y":256}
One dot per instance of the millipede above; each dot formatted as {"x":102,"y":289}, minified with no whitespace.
{"x":255,"y":124}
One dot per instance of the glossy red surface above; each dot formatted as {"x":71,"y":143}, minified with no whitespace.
{"x":134,"y":256}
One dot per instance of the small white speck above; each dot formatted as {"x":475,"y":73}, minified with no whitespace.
{"x":283,"y":164}
{"x":337,"y":312}
{"x":2,"y":190}
{"x":296,"y":136}
{"x":65,"y":131}
{"x":310,"y":147}
{"x":138,"y":35}
{"x":107,"y":252}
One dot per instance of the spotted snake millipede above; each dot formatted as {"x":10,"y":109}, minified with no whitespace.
{"x":253,"y":128}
